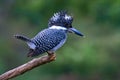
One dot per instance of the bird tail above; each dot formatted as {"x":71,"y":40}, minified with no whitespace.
{"x":23,"y":38}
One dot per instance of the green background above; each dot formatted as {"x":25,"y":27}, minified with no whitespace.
{"x":95,"y":57}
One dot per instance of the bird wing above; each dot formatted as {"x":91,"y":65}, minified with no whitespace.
{"x":48,"y":39}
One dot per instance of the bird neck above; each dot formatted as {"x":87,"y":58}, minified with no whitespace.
{"x":57,"y":27}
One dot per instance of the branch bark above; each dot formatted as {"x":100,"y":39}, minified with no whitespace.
{"x":27,"y":66}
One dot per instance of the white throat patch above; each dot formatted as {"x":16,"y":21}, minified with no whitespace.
{"x":57,"y":27}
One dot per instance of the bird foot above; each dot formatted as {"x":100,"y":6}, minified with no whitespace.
{"x":51,"y":55}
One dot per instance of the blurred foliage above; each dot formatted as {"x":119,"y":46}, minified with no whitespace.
{"x":95,"y":57}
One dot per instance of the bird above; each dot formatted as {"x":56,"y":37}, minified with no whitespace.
{"x":51,"y":38}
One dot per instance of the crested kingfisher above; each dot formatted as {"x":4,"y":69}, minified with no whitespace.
{"x":52,"y":38}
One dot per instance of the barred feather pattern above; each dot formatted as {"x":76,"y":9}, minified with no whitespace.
{"x":47,"y":40}
{"x":23,"y":38}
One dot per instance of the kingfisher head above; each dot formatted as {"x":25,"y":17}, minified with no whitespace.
{"x":61,"y":20}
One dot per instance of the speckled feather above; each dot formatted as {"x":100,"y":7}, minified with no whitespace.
{"x":47,"y":40}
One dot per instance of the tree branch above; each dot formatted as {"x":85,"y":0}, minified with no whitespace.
{"x":27,"y":66}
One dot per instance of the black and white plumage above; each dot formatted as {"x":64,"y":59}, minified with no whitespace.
{"x":52,"y":38}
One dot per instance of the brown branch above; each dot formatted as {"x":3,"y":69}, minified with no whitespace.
{"x":27,"y":66}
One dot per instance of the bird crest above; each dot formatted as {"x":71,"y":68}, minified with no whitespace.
{"x":60,"y":19}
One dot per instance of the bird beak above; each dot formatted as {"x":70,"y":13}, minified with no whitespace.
{"x":73,"y":30}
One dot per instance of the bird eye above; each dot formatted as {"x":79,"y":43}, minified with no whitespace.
{"x":67,"y":25}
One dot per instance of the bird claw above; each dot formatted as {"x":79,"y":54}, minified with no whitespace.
{"x":51,"y":55}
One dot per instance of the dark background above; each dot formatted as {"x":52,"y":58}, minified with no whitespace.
{"x":96,"y":57}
